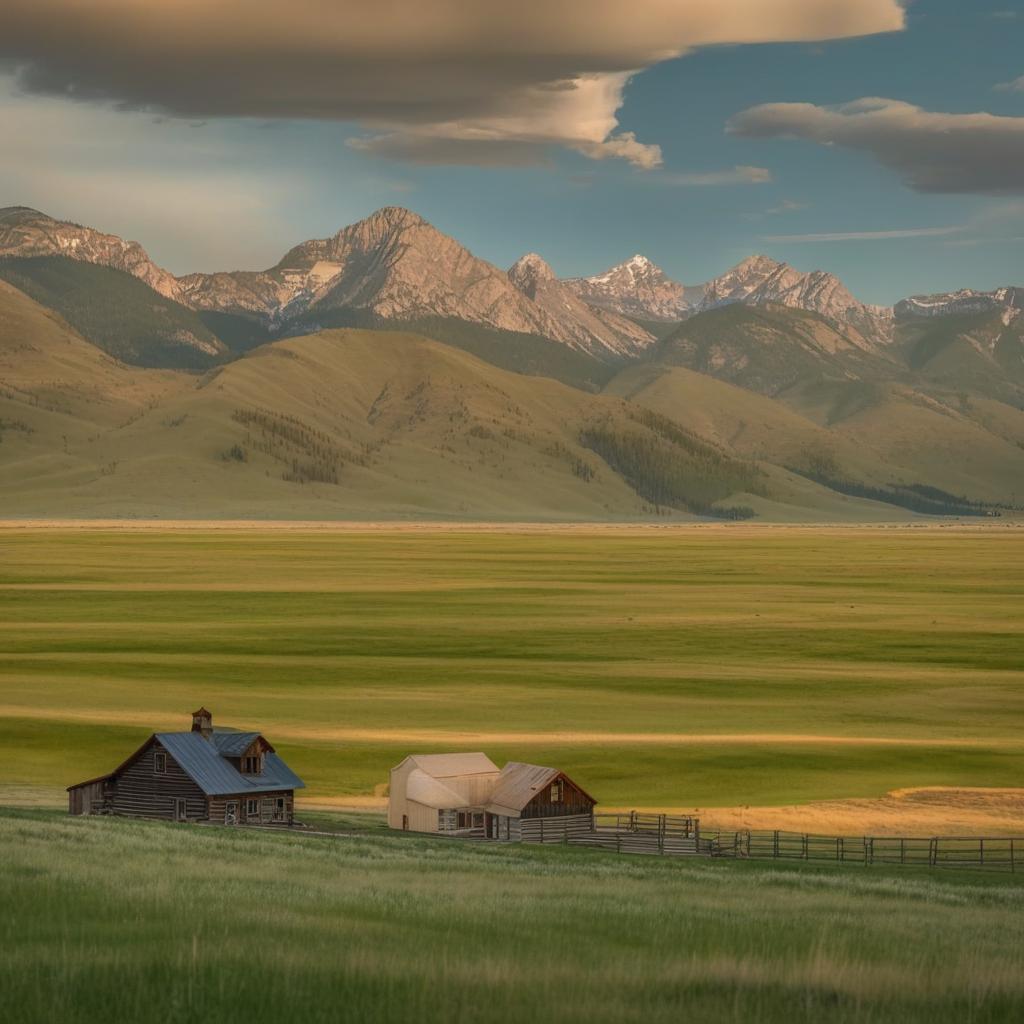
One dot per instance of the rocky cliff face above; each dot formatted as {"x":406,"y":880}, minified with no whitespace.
{"x":598,"y":331}
{"x":760,"y":281}
{"x":396,"y":266}
{"x":1009,"y":301}
{"x":26,"y":233}
{"x":637,"y":288}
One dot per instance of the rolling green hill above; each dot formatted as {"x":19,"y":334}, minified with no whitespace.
{"x":882,"y":435}
{"x":345,"y":423}
{"x":352,"y":423}
{"x":969,"y":353}
{"x":768,"y":348}
{"x":117,"y":312}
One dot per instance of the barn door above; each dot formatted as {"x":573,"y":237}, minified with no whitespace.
{"x":231,"y":812}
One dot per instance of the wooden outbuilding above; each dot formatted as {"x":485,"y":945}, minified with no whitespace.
{"x":206,"y":774}
{"x":466,"y":795}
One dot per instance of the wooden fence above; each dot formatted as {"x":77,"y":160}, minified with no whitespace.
{"x":999,"y":853}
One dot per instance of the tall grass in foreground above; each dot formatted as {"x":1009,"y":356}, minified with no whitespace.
{"x":112,"y":920}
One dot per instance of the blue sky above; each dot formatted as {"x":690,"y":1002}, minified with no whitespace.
{"x":232,"y":192}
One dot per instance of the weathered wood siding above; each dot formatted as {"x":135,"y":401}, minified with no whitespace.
{"x":140,"y":791}
{"x":574,"y":802}
{"x":87,"y":798}
{"x":266,"y":804}
{"x":560,"y":829}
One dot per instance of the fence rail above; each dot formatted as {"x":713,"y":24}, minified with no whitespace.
{"x":992,"y":852}
{"x":682,"y":836}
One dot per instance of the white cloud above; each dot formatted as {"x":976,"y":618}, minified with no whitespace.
{"x":1017,"y":85}
{"x":933,"y":152}
{"x":733,"y":176}
{"x":449,"y":80}
{"x":865,"y":236}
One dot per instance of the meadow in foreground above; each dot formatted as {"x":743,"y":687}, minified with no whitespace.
{"x":117,"y":920}
{"x":620,"y":656}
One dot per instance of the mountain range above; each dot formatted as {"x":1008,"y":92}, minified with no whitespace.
{"x":386,"y":370}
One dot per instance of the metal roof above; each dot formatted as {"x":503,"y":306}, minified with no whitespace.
{"x":215,"y":775}
{"x":447,"y":766}
{"x":233,"y":744}
{"x":518,"y":784}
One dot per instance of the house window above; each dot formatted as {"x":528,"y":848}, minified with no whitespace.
{"x":446,"y":821}
{"x":279,"y":809}
{"x":180,"y":809}
{"x":464,"y":818}
{"x":252,"y":765}
{"x":252,"y":809}
{"x":160,"y":763}
{"x":556,"y":791}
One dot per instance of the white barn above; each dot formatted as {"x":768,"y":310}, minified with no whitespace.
{"x":466,"y":794}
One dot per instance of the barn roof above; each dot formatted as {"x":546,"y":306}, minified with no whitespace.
{"x":422,"y":789}
{"x":448,"y":766}
{"x":234,"y":744}
{"x":215,"y":775}
{"x":519,"y":783}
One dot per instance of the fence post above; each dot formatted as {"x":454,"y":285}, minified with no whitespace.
{"x":903,"y":852}
{"x":981,"y":852}
{"x":775,"y":844}
{"x":542,"y":831}
{"x":1013,"y":867}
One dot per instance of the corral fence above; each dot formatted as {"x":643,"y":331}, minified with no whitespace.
{"x":682,"y":836}
{"x":999,"y":853}
{"x":664,"y":834}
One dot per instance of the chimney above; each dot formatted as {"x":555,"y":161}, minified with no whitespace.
{"x":202,"y":723}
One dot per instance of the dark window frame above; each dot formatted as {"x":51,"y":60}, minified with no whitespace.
{"x":160,"y":762}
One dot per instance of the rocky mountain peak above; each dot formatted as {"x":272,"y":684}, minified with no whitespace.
{"x":635,"y":288}
{"x":27,"y":233}
{"x":529,"y":271}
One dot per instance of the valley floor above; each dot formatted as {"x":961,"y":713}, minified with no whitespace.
{"x":710,"y":667}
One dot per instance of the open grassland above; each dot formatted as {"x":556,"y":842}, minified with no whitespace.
{"x":675,"y":667}
{"x":123,"y":921}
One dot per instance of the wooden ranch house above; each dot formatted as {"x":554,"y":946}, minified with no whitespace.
{"x":467,"y":795}
{"x":207,"y":774}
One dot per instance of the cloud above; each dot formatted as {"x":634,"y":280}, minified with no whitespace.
{"x":786,"y":206}
{"x":1017,"y":85}
{"x":734,"y":176}
{"x":865,"y":236}
{"x":965,"y":153}
{"x":451,"y":80}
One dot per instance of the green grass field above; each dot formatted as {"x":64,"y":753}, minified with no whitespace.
{"x":623,"y":656}
{"x":124,"y":921}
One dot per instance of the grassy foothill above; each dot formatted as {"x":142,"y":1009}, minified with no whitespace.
{"x":662,"y":667}
{"x":123,"y":921}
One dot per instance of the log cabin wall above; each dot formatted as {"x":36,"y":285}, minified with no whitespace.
{"x":264,"y":813}
{"x":142,"y":791}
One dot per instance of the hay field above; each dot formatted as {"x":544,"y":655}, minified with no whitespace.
{"x":673,"y":667}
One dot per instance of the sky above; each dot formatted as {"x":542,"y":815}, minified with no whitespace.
{"x":880,"y":140}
